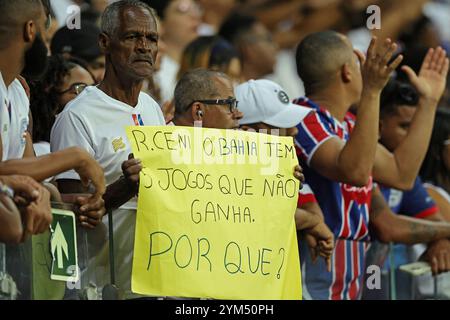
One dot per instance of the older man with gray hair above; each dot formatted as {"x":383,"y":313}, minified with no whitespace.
{"x":96,"y":121}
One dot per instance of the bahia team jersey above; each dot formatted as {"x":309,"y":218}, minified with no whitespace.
{"x":345,"y":209}
{"x":415,"y":203}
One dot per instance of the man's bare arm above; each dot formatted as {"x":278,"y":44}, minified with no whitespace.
{"x":390,"y":227}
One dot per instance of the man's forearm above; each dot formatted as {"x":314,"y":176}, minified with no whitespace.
{"x":119,"y":193}
{"x":412,"y":231}
{"x":44,"y":167}
{"x":306,"y":220}
{"x":359,"y":152}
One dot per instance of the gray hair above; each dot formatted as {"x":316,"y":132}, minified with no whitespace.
{"x":194,"y":85}
{"x":110,"y":17}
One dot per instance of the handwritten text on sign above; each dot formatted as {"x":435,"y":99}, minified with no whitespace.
{"x":215,"y":214}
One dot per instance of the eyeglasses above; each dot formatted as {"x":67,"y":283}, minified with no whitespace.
{"x":76,"y":88}
{"x":231,"y":102}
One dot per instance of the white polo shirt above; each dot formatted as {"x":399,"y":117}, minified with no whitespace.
{"x":14,"y":111}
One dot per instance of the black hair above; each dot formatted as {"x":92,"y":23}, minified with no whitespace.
{"x":15,"y":13}
{"x":236,"y":25}
{"x":433,"y":168}
{"x":44,"y":100}
{"x":211,"y":52}
{"x":318,"y":57}
{"x":410,"y":35}
{"x":412,"y":57}
{"x":397,"y":93}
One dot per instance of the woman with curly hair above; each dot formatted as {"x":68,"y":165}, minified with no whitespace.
{"x":62,"y":82}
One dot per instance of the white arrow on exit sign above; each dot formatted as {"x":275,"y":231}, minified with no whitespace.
{"x":60,"y":246}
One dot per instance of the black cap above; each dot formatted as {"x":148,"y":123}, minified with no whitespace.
{"x":81,"y":43}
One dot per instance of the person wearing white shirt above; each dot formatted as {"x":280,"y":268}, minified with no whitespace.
{"x":23,"y":50}
{"x":96,"y":121}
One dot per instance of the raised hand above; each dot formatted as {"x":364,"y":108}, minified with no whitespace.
{"x":431,"y":80}
{"x":375,"y":69}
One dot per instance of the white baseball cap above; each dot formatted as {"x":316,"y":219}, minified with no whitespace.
{"x":265,"y":101}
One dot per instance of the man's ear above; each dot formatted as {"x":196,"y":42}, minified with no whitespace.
{"x":104,"y":42}
{"x":346,"y":73}
{"x":197,"y":111}
{"x":29,"y":31}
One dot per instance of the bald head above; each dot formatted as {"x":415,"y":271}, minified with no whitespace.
{"x":14,"y":14}
{"x":320,"y":56}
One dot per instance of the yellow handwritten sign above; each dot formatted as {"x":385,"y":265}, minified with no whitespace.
{"x":215,"y":214}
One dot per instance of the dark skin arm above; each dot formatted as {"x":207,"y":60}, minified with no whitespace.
{"x":10,"y":223}
{"x":33,"y":201}
{"x":390,"y":227}
{"x":41,"y":168}
{"x":117,"y":193}
{"x":52,"y":164}
{"x":438,"y":252}
{"x":319,"y":237}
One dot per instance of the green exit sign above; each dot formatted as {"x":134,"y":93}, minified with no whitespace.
{"x":63,"y":246}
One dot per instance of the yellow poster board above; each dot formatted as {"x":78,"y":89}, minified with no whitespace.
{"x":215,"y":214}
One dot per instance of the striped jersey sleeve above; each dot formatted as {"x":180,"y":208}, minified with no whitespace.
{"x":306,"y":195}
{"x":313,"y":131}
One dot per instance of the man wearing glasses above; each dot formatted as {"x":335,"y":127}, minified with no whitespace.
{"x":206,"y":97}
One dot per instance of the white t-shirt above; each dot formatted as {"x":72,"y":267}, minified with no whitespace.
{"x":166,"y":77}
{"x":41,"y":148}
{"x":15,"y":108}
{"x":96,"y":122}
